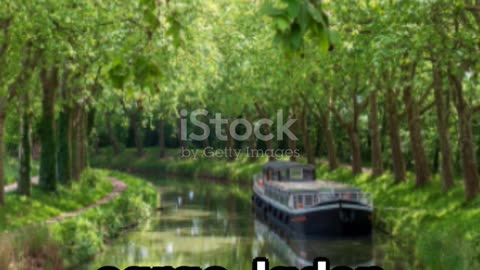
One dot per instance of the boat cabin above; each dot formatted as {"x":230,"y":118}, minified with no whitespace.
{"x":295,"y":186}
{"x":288,"y":171}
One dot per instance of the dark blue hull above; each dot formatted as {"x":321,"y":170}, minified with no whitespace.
{"x":334,"y":219}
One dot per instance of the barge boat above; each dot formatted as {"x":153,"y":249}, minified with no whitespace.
{"x":288,"y":196}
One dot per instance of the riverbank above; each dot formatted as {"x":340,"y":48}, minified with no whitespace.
{"x":75,"y":238}
{"x":438,"y":227}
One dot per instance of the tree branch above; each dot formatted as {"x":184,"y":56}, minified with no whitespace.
{"x":5,"y":23}
{"x":339,"y":117}
{"x":475,"y":109}
{"x":363,"y":105}
{"x":425,"y":95}
{"x":427,"y":108}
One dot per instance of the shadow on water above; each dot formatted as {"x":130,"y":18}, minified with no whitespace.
{"x":204,"y":224}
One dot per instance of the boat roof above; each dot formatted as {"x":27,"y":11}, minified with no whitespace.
{"x":309,"y":185}
{"x":281,"y":165}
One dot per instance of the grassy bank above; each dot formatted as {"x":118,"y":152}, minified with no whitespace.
{"x":77,"y":240}
{"x":239,"y":171}
{"x":22,"y":211}
{"x":439,"y":227}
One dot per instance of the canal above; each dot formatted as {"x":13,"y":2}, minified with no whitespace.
{"x":203,"y":224}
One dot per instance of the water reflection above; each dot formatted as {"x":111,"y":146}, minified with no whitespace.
{"x":301,"y":252}
{"x":208,"y":225}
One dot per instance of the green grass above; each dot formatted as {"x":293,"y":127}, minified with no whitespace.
{"x":239,"y":171}
{"x":21,"y":211}
{"x":75,"y":241}
{"x":439,"y":227}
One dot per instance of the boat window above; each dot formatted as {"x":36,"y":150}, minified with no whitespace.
{"x":296,"y":174}
{"x":308,"y":200}
{"x":298,"y":199}
{"x":283,"y":175}
{"x":315,"y":199}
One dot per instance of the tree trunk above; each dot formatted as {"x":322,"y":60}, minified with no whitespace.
{"x":252,"y":156}
{"x":266,"y":130}
{"x":467,"y":146}
{"x":84,"y":142}
{"x":394,"y":134}
{"x":137,"y":132}
{"x":467,"y":149}
{"x":376,"y":147}
{"x":356,"y":151}
{"x":230,"y":146}
{"x":182,"y":143}
{"x":2,"y":172}
{"x":79,"y":141}
{"x":292,"y":144}
{"x":161,"y":137}
{"x":422,"y":168}
{"x":442,"y":108}
{"x":25,"y":152}
{"x":329,"y":141}
{"x":111,"y":134}
{"x":206,"y":142}
{"x":307,"y":145}
{"x":48,"y":160}
{"x":64,"y":147}
{"x":75,"y":142}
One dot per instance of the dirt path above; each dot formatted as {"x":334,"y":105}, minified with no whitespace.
{"x":118,"y":188}
{"x":13,"y":187}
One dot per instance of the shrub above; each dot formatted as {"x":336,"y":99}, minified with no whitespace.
{"x":89,"y":177}
{"x":131,"y":209}
{"x":81,"y":240}
{"x":111,"y":225}
{"x":37,"y":249}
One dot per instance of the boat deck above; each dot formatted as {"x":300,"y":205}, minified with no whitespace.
{"x":308,"y":185}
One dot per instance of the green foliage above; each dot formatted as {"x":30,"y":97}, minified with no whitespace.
{"x":77,"y":240}
{"x":12,"y":168}
{"x":81,"y":240}
{"x":36,"y":243}
{"x":240,"y":171}
{"x":296,"y":19}
{"x":431,"y":222}
{"x":90,"y":178}
{"x":43,"y":205}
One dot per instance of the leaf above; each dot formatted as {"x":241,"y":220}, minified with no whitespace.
{"x":296,"y":37}
{"x":293,"y":8}
{"x":324,"y":40}
{"x":269,"y":10}
{"x":334,"y":37}
{"x":303,"y":19}
{"x":148,"y":4}
{"x":317,"y":15}
{"x":282,"y":24}
{"x":152,"y":19}
{"x":174,"y":30}
{"x":118,"y":74}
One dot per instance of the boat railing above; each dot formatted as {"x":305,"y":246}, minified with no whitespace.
{"x":311,"y":199}
{"x":298,"y":200}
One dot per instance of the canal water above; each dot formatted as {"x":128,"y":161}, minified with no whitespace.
{"x":205,"y":224}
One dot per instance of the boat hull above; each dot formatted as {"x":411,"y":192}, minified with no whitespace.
{"x":333,"y":219}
